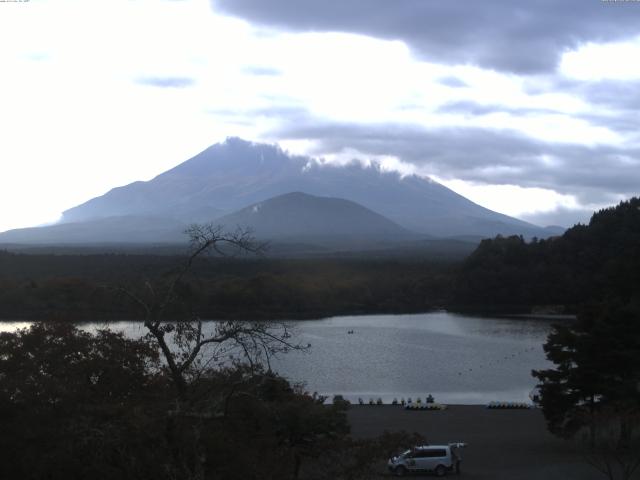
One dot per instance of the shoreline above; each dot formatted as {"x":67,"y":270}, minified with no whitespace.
{"x":306,"y":317}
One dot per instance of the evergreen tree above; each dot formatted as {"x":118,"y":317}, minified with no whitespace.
{"x":597,"y":367}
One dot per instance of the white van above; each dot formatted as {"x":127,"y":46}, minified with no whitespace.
{"x":438,"y":459}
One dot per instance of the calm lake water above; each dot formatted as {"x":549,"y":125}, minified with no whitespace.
{"x":458,"y":359}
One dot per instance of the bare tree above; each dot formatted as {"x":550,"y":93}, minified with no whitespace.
{"x":192,"y":348}
{"x":183,"y":341}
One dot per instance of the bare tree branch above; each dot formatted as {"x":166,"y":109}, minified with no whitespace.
{"x":188,"y":339}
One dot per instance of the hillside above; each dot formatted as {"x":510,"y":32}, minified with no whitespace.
{"x":298,"y":216}
{"x":591,"y":262}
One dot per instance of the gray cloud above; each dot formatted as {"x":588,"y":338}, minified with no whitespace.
{"x":618,"y":94}
{"x":563,"y":217}
{"x":280,"y":111}
{"x":466,"y":107}
{"x":262,"y":71}
{"x":453,"y":82}
{"x":524,"y":37}
{"x":166,"y":82}
{"x":596,"y":176}
{"x":615,"y":103}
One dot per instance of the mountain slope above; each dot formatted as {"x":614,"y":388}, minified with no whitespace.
{"x":293,"y":217}
{"x":299,"y":216}
{"x":121,"y":229}
{"x":231,"y":175}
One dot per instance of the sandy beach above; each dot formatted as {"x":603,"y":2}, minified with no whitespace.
{"x":502,"y":444}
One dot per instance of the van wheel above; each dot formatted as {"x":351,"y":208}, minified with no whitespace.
{"x":401,"y":471}
{"x":440,"y":471}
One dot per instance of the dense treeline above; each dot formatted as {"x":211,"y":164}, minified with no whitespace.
{"x":588,"y":263}
{"x":84,"y":287}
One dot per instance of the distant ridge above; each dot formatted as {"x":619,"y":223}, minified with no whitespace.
{"x":231,"y":175}
{"x":294,"y":217}
{"x":121,"y":229}
{"x":302,"y":200}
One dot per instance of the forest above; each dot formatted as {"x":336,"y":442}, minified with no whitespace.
{"x":87,"y":287}
{"x":503,"y":275}
{"x":588,"y":263}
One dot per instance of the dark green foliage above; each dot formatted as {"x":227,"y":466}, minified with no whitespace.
{"x":597,"y":368}
{"x":76,"y":405}
{"x":587,"y":263}
{"x":99,"y":406}
{"x":76,"y":286}
{"x":267,"y":429}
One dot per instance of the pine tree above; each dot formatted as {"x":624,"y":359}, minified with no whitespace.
{"x":597,"y":367}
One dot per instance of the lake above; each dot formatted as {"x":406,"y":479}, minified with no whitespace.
{"x":459,"y":359}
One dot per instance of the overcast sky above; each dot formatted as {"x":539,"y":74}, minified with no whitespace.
{"x":529,"y":108}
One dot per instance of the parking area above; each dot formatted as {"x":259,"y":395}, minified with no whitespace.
{"x":503,"y":444}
